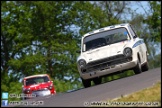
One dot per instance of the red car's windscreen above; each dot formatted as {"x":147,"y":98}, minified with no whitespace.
{"x":36,"y":80}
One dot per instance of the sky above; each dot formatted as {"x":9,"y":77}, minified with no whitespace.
{"x":137,"y":7}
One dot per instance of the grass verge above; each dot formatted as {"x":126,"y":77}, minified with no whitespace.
{"x":146,"y":97}
{"x":149,"y":97}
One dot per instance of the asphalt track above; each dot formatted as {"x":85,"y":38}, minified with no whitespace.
{"x":109,"y":90}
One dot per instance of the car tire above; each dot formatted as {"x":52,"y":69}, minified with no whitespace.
{"x":97,"y":80}
{"x":145,"y":67}
{"x":86,"y":83}
{"x":23,"y":98}
{"x":137,"y":69}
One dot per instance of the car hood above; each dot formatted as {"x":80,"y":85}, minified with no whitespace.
{"x":39,"y":86}
{"x":105,"y":51}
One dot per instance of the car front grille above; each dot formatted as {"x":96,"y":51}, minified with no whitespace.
{"x":106,"y":63}
{"x":43,"y":89}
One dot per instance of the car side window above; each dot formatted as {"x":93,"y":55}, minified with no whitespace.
{"x":46,"y":79}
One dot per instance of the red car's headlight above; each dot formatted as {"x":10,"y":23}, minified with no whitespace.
{"x":27,"y":90}
{"x":50,"y":86}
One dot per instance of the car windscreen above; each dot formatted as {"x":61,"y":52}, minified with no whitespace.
{"x":36,"y":80}
{"x":104,"y":38}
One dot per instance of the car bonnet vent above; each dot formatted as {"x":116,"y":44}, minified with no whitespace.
{"x":122,"y":25}
{"x":112,"y":26}
{"x":101,"y":29}
{"x":91,"y":32}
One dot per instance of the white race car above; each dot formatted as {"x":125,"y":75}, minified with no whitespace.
{"x":111,"y":49}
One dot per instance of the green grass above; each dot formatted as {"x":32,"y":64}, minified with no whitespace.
{"x":146,"y":97}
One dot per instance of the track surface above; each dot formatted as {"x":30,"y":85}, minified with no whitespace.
{"x":103,"y":91}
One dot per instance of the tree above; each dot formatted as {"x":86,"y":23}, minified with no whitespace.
{"x":14,"y":36}
{"x":37,"y":38}
{"x":154,"y":20}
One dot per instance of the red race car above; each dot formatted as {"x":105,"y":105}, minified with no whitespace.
{"x":37,"y":85}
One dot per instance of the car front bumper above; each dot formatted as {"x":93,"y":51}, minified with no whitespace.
{"x":42,"y":93}
{"x":116,"y":68}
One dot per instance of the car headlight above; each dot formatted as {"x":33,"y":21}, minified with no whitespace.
{"x":50,"y":86}
{"x":27,"y":90}
{"x":127,"y":52}
{"x":82,"y":65}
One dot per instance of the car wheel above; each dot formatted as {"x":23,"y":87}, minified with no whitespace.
{"x":97,"y":80}
{"x":137,"y":69}
{"x":86,"y":83}
{"x":145,"y":67}
{"x":23,"y":98}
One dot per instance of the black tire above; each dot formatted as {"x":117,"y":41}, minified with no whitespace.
{"x":145,"y":67}
{"x":137,"y":69}
{"x":23,"y":98}
{"x":86,"y":83}
{"x":97,"y":80}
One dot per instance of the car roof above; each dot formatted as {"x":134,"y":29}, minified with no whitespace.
{"x":106,"y":28}
{"x":35,"y":76}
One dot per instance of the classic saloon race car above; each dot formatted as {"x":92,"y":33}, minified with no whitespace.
{"x":38,"y":85}
{"x":109,"y":50}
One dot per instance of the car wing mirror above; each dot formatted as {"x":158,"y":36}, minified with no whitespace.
{"x":135,"y":36}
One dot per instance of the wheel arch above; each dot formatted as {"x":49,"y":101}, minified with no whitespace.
{"x":138,"y":56}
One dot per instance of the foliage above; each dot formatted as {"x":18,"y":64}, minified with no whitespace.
{"x":154,"y":20}
{"x":116,"y":76}
{"x":11,"y":85}
{"x":155,"y":62}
